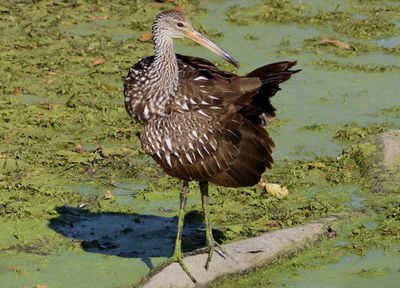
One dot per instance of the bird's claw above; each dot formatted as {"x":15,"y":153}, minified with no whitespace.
{"x":214,"y":246}
{"x":174,"y":259}
{"x":179,"y":260}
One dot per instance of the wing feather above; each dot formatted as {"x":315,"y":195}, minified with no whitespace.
{"x":238,"y":157}
{"x":212,"y":127}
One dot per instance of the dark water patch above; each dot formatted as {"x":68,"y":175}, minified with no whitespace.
{"x":126,"y":235}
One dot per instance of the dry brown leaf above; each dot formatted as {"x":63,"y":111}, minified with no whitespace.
{"x":53,"y":73}
{"x":110,"y":88}
{"x":99,"y":61}
{"x":276,"y":190}
{"x":45,"y":105}
{"x":103,"y":17}
{"x":17,"y":92}
{"x":79,"y":149}
{"x":108,"y":195}
{"x":178,"y":7}
{"x":145,"y":37}
{"x":41,"y":286}
{"x":334,"y":42}
{"x":273,"y":189}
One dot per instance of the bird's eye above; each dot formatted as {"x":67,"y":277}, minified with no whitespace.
{"x":180,"y":24}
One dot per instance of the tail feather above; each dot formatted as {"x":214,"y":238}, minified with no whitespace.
{"x":260,"y":110}
{"x":273,"y":68}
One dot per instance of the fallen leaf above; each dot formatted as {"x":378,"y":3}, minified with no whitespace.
{"x":108,"y":195}
{"x":45,"y":105}
{"x":262,"y":184}
{"x":79,"y":149}
{"x":17,"y":92}
{"x":41,"y":286}
{"x":145,"y":37}
{"x":177,"y":5}
{"x":53,"y":73}
{"x":110,"y":88}
{"x":103,"y":17}
{"x":99,"y":61}
{"x":335,"y":43}
{"x":274,"y":189}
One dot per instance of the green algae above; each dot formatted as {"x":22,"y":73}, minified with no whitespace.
{"x":314,"y":127}
{"x":54,"y":97}
{"x":355,"y":237}
{"x":372,"y":25}
{"x":392,"y":111}
{"x":352,"y":132}
{"x":356,"y":48}
{"x":333,"y":65}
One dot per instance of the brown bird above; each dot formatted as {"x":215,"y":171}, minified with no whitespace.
{"x":201,"y":123}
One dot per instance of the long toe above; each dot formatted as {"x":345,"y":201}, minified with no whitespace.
{"x":214,"y":246}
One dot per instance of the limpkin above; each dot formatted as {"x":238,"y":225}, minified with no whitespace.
{"x":201,"y":123}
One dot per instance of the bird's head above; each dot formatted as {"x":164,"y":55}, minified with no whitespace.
{"x":175,"y":24}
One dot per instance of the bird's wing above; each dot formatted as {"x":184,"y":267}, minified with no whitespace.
{"x":211,"y":130}
{"x":210,"y":92}
{"x":203,"y":137}
{"x":228,"y":151}
{"x":253,"y":92}
{"x":193,"y":67}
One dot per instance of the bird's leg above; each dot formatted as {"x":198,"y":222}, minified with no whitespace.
{"x":178,"y":256}
{"x":211,"y":243}
{"x":181,"y":218}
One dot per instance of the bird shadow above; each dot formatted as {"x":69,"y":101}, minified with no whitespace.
{"x":128,"y":234}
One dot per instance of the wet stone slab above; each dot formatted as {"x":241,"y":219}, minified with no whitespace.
{"x":391,"y":148}
{"x":241,"y":256}
{"x":381,"y":167}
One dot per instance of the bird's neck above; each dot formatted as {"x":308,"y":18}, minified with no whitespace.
{"x":165,"y":65}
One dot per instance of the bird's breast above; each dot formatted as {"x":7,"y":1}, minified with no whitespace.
{"x":146,"y":96}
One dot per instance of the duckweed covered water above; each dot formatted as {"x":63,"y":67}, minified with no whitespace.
{"x":67,"y":142}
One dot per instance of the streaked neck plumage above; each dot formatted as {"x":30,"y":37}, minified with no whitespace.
{"x":165,"y":64}
{"x":160,"y":80}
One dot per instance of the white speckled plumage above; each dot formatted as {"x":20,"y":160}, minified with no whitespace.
{"x":202,"y":123}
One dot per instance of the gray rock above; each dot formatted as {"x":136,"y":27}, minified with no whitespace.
{"x":391,"y":149}
{"x":382,"y":167}
{"x":241,"y":256}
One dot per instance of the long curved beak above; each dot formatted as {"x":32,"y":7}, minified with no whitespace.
{"x":204,"y":41}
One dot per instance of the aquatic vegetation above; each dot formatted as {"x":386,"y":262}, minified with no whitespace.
{"x":352,"y":132}
{"x":332,"y":65}
{"x":66,"y":139}
{"x":374,"y":24}
{"x":392,"y":111}
{"x":356,"y":48}
{"x":315,"y":127}
{"x":376,"y":227}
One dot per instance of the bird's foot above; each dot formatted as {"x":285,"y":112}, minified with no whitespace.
{"x":212,"y":246}
{"x":176,"y":258}
{"x":179,"y":259}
